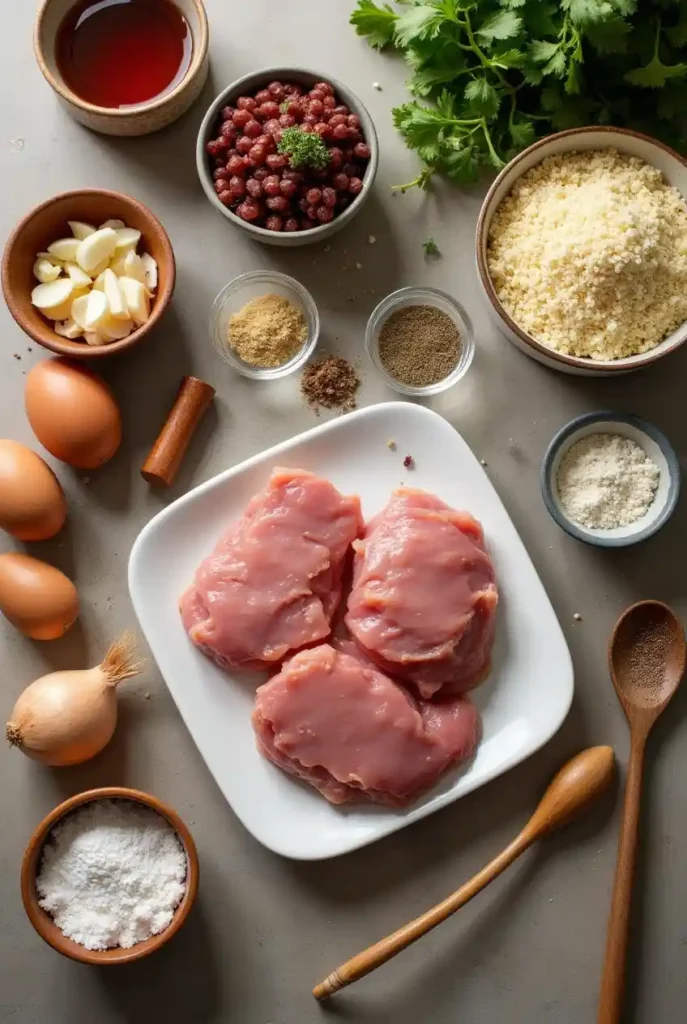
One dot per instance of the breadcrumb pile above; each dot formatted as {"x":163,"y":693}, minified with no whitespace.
{"x":588,"y":254}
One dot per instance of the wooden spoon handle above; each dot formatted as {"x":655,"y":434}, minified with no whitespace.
{"x":613,"y":981}
{"x":373,"y":957}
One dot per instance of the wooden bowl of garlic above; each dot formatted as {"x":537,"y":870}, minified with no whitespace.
{"x":89,"y":273}
{"x":103,"y":833}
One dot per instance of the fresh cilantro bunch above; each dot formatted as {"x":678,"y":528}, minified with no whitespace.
{"x":491,"y":76}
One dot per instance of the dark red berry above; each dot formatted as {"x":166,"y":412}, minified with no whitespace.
{"x":274,"y":223}
{"x":271,"y":126}
{"x":253,"y":130}
{"x":229,"y":131}
{"x":260,"y":173}
{"x":276,"y":162}
{"x":257,"y":155}
{"x":316,"y":107}
{"x":241,"y":118}
{"x":325,"y":88}
{"x":226,"y":197}
{"x":323,"y":130}
{"x":287,"y":121}
{"x":236,"y":165}
{"x":312,"y":213}
{"x":314,"y":196}
{"x":215,"y":147}
{"x":263,"y":96}
{"x":354,"y":122}
{"x":335,"y":159}
{"x":340,"y":182}
{"x":276,"y":91}
{"x":291,"y":224}
{"x":294,"y":110}
{"x":341,"y":109}
{"x":355,"y":186}
{"x":254,"y":188}
{"x":292,"y":90}
{"x":291,"y":175}
{"x":329,"y":102}
{"x":246,"y":103}
{"x":249,"y":210}
{"x":271,"y":185}
{"x":221,"y":185}
{"x":227,"y":113}
{"x":311,"y":120}
{"x":218,"y":173}
{"x":270,"y":109}
{"x":303,"y":205}
{"x":328,"y":196}
{"x":325,"y":214}
{"x":278,"y":203}
{"x":244,"y":145}
{"x":341,"y":132}
{"x":288,"y":188}
{"x":362,"y":151}
{"x":316,"y":95}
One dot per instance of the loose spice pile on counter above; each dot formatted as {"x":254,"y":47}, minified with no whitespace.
{"x":419,"y":345}
{"x":268,"y":331}
{"x":588,"y":253}
{"x":606,"y":481}
{"x":331,"y":383}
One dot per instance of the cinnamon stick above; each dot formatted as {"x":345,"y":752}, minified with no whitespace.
{"x":166,"y":455}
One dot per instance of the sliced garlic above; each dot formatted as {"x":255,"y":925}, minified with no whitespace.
{"x":79,"y":277}
{"x":95,"y":249}
{"x":99,"y":283}
{"x":150,"y":271}
{"x":65,"y":249}
{"x":96,"y":310}
{"x":113,"y":223}
{"x":51,"y":295}
{"x":134,"y":267}
{"x":50,"y":258}
{"x":45,"y":271}
{"x":115,"y":296}
{"x":94,"y":338}
{"x":80,"y":229}
{"x":100,"y":269}
{"x":69,"y":329}
{"x":117,"y":263}
{"x":127,"y":238}
{"x":114,"y":330}
{"x":137,"y":299}
{"x":78,"y":313}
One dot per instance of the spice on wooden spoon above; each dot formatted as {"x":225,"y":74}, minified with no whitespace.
{"x":578,"y":783}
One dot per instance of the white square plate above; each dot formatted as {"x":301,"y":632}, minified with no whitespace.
{"x":522,"y":704}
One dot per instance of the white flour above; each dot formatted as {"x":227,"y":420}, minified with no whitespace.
{"x":112,"y":874}
{"x":606,"y":481}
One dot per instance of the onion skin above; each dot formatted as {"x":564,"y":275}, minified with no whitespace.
{"x":66,"y":718}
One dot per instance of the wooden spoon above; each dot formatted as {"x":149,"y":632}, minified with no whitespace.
{"x":647,"y":661}
{"x":576,"y":785}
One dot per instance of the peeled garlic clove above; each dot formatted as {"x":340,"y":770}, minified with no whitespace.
{"x":99,"y":283}
{"x":127,"y":238}
{"x":117,"y":264}
{"x":114,"y":330}
{"x":78,"y":313}
{"x":150,"y":271}
{"x":133,"y":267}
{"x":69,"y":329}
{"x":95,"y":338}
{"x":52,"y":295}
{"x":80,"y":230}
{"x":50,"y":258}
{"x":100,"y":269}
{"x":114,"y":295}
{"x":113,"y":223}
{"x":45,"y":271}
{"x":137,"y":299}
{"x":95,"y":249}
{"x":65,"y":249}
{"x":78,"y":277}
{"x":96,"y":310}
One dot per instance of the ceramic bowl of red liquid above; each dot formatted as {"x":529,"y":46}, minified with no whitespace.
{"x":288,"y":155}
{"x":127,"y":67}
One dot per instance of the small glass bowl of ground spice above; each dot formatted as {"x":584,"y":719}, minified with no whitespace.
{"x":420,"y":340}
{"x":265,"y":325}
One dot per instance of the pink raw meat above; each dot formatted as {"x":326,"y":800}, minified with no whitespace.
{"x":272,"y":584}
{"x":424,"y":598}
{"x":337,"y":722}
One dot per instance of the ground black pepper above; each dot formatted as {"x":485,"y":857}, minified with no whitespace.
{"x":331,"y":383}
{"x":419,"y":345}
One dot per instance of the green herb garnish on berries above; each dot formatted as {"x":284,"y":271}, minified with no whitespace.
{"x":491,"y":76}
{"x":304,"y":149}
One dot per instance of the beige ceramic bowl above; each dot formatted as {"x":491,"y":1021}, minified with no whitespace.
{"x":674,"y":168}
{"x":47,"y":222}
{"x":43,"y":922}
{"x":139,"y":120}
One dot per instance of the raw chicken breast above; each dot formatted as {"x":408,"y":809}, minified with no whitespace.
{"x":424,"y":597}
{"x":337,"y":722}
{"x":272,"y":584}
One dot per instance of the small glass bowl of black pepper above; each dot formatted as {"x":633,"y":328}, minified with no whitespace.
{"x":263,"y":348}
{"x":420,"y":340}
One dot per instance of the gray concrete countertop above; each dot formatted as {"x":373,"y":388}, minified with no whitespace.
{"x":530,"y":948}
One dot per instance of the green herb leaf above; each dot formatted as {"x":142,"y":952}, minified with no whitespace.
{"x":421,"y":22}
{"x":482,"y":97}
{"x":501,"y":25}
{"x":541,"y":50}
{"x":655,"y":74}
{"x":376,"y":23}
{"x":431,"y":248}
{"x":556,"y":66}
{"x":304,"y":149}
{"x":521,"y":132}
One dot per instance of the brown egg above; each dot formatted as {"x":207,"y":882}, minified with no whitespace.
{"x":32,"y":505}
{"x":36,"y":597}
{"x":73,"y":413}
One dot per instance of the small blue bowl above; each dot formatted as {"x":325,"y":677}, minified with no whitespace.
{"x":655,"y":445}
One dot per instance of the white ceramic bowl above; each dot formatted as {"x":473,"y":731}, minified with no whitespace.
{"x":234,"y":297}
{"x":674,"y":168}
{"x":654,"y":444}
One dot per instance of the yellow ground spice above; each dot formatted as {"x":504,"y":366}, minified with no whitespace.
{"x":268,"y":331}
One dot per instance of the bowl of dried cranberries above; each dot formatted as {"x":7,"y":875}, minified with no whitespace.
{"x":288,"y":155}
